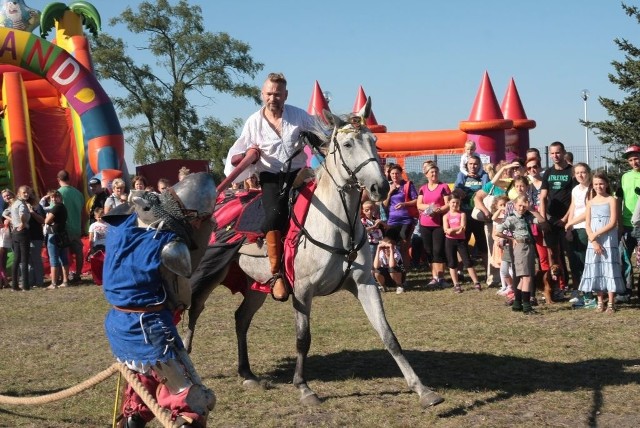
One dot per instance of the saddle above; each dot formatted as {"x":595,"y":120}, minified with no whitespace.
{"x":239,"y":216}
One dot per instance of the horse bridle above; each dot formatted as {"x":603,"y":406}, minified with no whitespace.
{"x":352,"y":173}
{"x":352,"y":183}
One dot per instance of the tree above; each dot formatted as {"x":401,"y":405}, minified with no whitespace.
{"x":623,"y":128}
{"x":164,"y":122}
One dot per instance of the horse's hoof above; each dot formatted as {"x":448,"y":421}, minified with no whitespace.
{"x":310,"y":400}
{"x":431,"y":398}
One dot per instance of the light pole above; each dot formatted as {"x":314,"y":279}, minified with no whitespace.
{"x":327,"y":96}
{"x":585,"y":96}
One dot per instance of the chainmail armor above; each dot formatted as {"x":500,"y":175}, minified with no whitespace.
{"x":166,"y":208}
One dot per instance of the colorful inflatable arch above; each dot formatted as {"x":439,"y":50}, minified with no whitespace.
{"x":55,"y":115}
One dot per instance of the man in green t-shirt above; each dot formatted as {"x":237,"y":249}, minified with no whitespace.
{"x":73,"y":200}
{"x":628,"y":198}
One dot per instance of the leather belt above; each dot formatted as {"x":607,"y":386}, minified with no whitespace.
{"x":140,"y":310}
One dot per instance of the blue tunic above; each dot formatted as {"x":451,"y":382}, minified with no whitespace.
{"x":132,"y":279}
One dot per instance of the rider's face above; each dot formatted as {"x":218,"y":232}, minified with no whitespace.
{"x":274,"y":95}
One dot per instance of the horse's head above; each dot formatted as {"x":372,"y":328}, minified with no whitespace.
{"x":352,"y":155}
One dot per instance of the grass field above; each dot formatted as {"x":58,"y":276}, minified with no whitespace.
{"x":495,"y":368}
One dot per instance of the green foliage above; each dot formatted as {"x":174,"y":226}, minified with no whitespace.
{"x":623,"y":126}
{"x":164,"y":123}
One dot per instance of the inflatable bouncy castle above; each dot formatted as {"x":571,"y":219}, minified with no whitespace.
{"x":500,"y":131}
{"x":54,"y":113}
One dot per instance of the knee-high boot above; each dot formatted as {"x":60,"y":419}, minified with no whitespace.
{"x":274,"y":251}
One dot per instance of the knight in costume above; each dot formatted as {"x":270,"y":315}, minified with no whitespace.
{"x":147,"y":249}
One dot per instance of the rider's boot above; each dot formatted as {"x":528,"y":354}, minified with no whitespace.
{"x":279,"y":289}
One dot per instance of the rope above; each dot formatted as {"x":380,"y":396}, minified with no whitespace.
{"x":61,"y":395}
{"x":163,"y":415}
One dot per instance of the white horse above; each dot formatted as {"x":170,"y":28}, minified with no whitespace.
{"x":333,"y":254}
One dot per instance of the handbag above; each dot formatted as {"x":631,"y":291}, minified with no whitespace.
{"x":61,"y":239}
{"x":476,"y":213}
{"x":411,"y":209}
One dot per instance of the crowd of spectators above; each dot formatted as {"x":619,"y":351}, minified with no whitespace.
{"x":521,"y":221}
{"x":63,"y":230}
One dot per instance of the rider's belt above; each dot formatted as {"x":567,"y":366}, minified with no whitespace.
{"x":140,"y":310}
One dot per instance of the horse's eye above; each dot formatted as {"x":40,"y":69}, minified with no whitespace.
{"x":348,"y":144}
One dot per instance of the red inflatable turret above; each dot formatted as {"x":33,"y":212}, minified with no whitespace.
{"x":486,"y":124}
{"x":372,"y":124}
{"x":516,"y":138}
{"x":318,"y":103}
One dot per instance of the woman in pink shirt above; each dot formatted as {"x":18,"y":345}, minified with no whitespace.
{"x":432,"y":203}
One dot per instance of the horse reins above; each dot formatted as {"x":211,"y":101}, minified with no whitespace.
{"x":352,"y":183}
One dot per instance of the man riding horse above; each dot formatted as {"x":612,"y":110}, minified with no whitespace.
{"x":274,"y":131}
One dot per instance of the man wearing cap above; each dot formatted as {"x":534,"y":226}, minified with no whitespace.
{"x":628,"y":197}
{"x":98,"y":199}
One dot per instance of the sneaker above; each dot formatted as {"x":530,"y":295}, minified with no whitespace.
{"x":399,"y":290}
{"x":52,"y":287}
{"x":590,"y":303}
{"x":510,"y":298}
{"x":443,"y":284}
{"x":503,"y":291}
{"x":64,"y":284}
{"x":622,"y":298}
{"x":432,"y":285}
{"x":457,"y":288}
{"x":516,"y":306}
{"x":575,"y":299}
{"x":477,"y":286}
{"x":558,"y":295}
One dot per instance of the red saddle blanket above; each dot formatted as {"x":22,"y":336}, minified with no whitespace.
{"x":239,"y":216}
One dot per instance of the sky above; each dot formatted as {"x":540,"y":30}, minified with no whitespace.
{"x":422,"y":62}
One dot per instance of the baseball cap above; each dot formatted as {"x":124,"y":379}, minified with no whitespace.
{"x":631,"y":150}
{"x":94,"y":181}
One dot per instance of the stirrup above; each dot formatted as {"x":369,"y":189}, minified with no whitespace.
{"x":272,"y":282}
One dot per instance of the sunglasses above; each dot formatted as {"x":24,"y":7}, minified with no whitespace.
{"x":533,"y":167}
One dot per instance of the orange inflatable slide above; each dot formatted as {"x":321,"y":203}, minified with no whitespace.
{"x":55,"y":115}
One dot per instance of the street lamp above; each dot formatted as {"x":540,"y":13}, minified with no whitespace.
{"x":585,"y":96}
{"x":327,"y":96}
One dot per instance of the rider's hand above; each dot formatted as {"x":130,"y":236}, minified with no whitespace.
{"x":235,"y":159}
